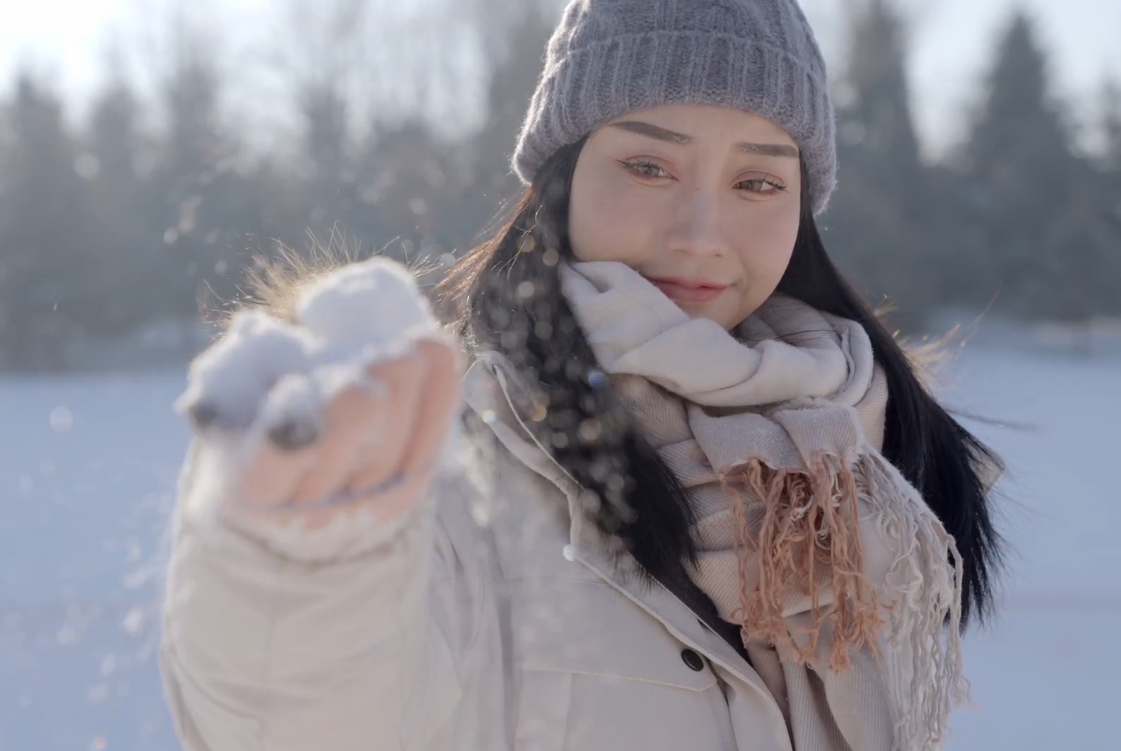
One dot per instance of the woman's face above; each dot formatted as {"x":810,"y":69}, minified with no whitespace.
{"x":703,"y":201}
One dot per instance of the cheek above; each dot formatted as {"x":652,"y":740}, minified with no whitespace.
{"x":608,"y":222}
{"x":776,"y":245}
{"x":767,"y":251}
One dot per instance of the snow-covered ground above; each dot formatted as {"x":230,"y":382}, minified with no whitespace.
{"x":87,"y":472}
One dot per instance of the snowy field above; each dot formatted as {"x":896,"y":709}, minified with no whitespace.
{"x":87,"y":471}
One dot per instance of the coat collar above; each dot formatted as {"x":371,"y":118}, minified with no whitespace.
{"x":490,"y":388}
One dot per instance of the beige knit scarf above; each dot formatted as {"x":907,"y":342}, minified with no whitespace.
{"x":809,"y":540}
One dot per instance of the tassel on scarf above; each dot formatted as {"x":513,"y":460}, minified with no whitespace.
{"x":811,"y":523}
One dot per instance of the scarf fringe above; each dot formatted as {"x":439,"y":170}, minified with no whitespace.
{"x":809,"y":545}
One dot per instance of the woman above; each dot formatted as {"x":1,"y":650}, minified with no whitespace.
{"x":708,"y":502}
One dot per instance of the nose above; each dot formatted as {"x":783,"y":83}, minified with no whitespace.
{"x":698,"y":229}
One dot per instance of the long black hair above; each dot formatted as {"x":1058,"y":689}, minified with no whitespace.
{"x":509,"y":298}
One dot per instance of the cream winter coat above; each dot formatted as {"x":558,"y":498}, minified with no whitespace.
{"x":484,"y":623}
{"x":490,"y":619}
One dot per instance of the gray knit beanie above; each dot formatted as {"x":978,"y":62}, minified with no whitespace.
{"x":610,"y":57}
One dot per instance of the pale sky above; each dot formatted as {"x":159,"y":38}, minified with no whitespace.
{"x":953,"y":41}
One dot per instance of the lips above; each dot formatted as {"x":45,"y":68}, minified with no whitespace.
{"x":688,"y":290}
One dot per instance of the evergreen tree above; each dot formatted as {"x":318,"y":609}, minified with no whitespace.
{"x":126,"y":280}
{"x":206,"y":204}
{"x":877,"y":221}
{"x":410,"y":186}
{"x":323,"y":53}
{"x":515,"y":63}
{"x":44,"y":219}
{"x":1018,"y":115}
{"x":331,"y":189}
{"x":1111,"y":126}
{"x":881,"y":98}
{"x":1108,"y":233}
{"x":1034,"y":200}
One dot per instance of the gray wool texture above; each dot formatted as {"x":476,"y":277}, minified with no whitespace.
{"x":610,"y":57}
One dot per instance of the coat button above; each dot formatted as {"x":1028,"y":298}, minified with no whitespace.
{"x":693,"y":660}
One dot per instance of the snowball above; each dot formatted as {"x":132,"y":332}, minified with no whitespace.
{"x":232,"y":376}
{"x":357,"y":314}
{"x":373,"y":304}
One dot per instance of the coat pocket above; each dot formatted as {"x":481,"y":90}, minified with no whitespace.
{"x":624,"y":680}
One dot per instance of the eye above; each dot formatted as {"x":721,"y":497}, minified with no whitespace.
{"x":766,"y":185}
{"x":646,"y":169}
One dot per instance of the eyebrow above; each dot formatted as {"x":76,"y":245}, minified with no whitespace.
{"x":662,"y":134}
